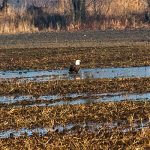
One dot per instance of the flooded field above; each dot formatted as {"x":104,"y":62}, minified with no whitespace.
{"x":105,"y":106}
{"x":97,"y":73}
{"x":91,"y":127}
{"x":70,"y":99}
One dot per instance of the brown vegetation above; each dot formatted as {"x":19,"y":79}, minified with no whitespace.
{"x":131,"y":118}
{"x":75,"y":15}
{"x":104,"y":139}
{"x":122,"y":113}
{"x":60,"y":58}
{"x":81,"y":86}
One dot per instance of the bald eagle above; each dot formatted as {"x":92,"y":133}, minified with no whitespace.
{"x":74,"y":68}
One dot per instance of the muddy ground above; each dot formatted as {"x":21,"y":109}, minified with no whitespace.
{"x":107,"y":124}
{"x":123,"y":113}
{"x":82,"y":140}
{"x":76,"y":39}
{"x":76,"y":86}
{"x":60,"y":58}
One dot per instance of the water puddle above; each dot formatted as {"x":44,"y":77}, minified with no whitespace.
{"x":74,"y":99}
{"x":14,"y":99}
{"x":41,"y":76}
{"x":114,"y":98}
{"x":90,"y":127}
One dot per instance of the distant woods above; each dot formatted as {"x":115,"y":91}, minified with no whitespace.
{"x":87,"y":13}
{"x":54,"y":20}
{"x":4,"y":5}
{"x":44,"y":20}
{"x":74,"y":15}
{"x":78,"y":11}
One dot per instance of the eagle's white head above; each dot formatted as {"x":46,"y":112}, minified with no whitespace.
{"x":77,"y":62}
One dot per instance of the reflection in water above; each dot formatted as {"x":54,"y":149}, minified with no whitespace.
{"x":41,"y":76}
{"x":91,"y":127}
{"x":82,"y":98}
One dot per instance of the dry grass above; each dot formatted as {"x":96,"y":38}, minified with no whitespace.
{"x":58,"y":58}
{"x":109,"y":112}
{"x":119,"y":14}
{"x":79,"y":138}
{"x":122,"y":7}
{"x":15,"y":22}
{"x":82,"y":140}
{"x":80,"y":86}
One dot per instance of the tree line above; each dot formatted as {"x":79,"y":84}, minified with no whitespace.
{"x":76,"y":13}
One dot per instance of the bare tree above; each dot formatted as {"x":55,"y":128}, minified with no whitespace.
{"x":4,"y":6}
{"x":78,"y":11}
{"x":147,"y":12}
{"x":94,"y":5}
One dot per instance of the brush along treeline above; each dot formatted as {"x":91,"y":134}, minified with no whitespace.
{"x":73,"y":15}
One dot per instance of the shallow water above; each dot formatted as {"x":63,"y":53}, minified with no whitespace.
{"x":41,"y":76}
{"x":15,"y":98}
{"x":91,"y":127}
{"x":44,"y":131}
{"x":114,"y":98}
{"x":55,"y":100}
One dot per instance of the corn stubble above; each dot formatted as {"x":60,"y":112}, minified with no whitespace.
{"x":58,"y":58}
{"x":128,"y":112}
{"x":80,"y":86}
{"x":125,"y":114}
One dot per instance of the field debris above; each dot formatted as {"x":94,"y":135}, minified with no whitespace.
{"x":90,"y":113}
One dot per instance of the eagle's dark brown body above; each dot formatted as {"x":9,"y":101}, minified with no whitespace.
{"x":74,"y":69}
